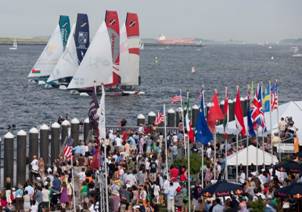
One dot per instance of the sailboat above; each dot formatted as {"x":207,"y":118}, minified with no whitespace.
{"x":130,"y":55}
{"x":52,"y":52}
{"x":96,"y":67}
{"x":69,"y":61}
{"x":14,"y":46}
{"x":296,"y":52}
{"x":141,"y":45}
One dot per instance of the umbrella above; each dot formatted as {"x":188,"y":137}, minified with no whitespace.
{"x":294,"y":189}
{"x":221,"y":188}
{"x":289,"y":166}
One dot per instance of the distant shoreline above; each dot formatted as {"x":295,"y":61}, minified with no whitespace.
{"x":24,"y":41}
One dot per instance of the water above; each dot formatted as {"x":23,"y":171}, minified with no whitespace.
{"x":27,"y":105}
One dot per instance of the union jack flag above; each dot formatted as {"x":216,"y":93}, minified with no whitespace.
{"x":274,"y":96}
{"x":160,"y":117}
{"x":177,"y":98}
{"x":257,"y":111}
{"x":67,"y":151}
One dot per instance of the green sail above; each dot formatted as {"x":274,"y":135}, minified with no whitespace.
{"x":64,"y":24}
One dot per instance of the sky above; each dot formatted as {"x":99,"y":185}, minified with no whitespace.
{"x":245,"y":20}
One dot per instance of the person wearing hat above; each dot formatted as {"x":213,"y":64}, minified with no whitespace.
{"x":179,"y":203}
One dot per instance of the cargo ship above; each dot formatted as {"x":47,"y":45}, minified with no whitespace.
{"x":162,"y":40}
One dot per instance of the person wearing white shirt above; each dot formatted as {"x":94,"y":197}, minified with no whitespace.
{"x":209,"y":152}
{"x":171,"y":197}
{"x":35,"y":165}
{"x":242,"y":177}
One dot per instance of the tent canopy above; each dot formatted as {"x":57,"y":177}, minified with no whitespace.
{"x":293,"y":109}
{"x":251,"y":152}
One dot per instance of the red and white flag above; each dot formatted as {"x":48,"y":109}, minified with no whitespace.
{"x":238,"y":114}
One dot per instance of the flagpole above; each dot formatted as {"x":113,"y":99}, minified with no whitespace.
{"x":183,"y":119}
{"x":270,"y":121}
{"x":188,"y":154}
{"x":226,"y":155}
{"x":189,"y":174}
{"x":247,"y":134}
{"x":257,"y":143}
{"x":225,"y":133}
{"x":215,"y":166}
{"x":202,"y":159}
{"x":202,"y":146}
{"x":102,"y":137}
{"x":106,"y":177}
{"x":237,"y":146}
{"x":263,"y":147}
{"x":165,"y":137}
{"x":247,"y":155}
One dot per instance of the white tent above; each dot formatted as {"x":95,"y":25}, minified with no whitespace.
{"x":251,"y":152}
{"x":293,"y":109}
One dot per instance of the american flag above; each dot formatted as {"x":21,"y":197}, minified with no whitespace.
{"x":177,"y":98}
{"x":160,"y":117}
{"x":274,"y":96}
{"x":257,"y":111}
{"x":92,"y":112}
{"x":68,"y":149}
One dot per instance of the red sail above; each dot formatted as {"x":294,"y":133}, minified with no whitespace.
{"x":112,"y":23}
{"x":132,"y":28}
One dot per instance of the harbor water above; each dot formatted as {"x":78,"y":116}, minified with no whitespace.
{"x":26,"y":105}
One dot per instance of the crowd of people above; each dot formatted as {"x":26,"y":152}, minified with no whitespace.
{"x":138,"y":178}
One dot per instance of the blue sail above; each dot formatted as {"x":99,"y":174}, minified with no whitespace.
{"x":81,"y":36}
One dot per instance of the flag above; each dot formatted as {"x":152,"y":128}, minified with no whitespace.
{"x":177,"y":98}
{"x":191,"y":133}
{"x":202,"y":132}
{"x":238,"y":114}
{"x":215,"y":114}
{"x":266,"y":98}
{"x":67,"y":151}
{"x":187,"y":118}
{"x":256,"y":107}
{"x":160,"y":117}
{"x":226,"y":112}
{"x":92,"y":112}
{"x":274,"y":96}
{"x":250,"y":126}
{"x":101,"y":115}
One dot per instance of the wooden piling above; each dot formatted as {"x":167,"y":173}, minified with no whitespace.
{"x":21,"y":157}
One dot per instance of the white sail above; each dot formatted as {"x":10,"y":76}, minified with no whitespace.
{"x":129,"y":63}
{"x":96,"y":67}
{"x":68,"y":62}
{"x":14,"y":46}
{"x":49,"y":57}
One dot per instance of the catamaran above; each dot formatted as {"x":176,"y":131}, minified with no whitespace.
{"x":124,"y":74}
{"x":73,"y":54}
{"x":14,"y":46}
{"x":52,"y":51}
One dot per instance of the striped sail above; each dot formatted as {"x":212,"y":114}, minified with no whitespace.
{"x":130,"y":51}
{"x":113,"y":26}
